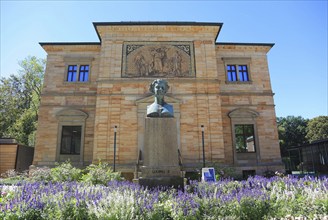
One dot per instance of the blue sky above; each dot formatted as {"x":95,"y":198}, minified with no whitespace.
{"x":297,"y":62}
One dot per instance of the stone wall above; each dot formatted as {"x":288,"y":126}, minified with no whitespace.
{"x":58,"y":95}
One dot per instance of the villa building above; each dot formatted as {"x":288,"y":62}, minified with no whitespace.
{"x":91,"y":87}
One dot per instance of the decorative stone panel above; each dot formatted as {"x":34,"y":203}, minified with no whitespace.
{"x":158,"y":59}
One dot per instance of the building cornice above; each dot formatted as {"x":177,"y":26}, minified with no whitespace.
{"x":178,"y":23}
{"x":264,"y":93}
{"x":68,"y":43}
{"x":245,"y":44}
{"x":58,"y":46}
{"x":157,"y":23}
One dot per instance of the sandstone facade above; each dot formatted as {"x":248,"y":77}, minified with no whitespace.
{"x":110,"y":97}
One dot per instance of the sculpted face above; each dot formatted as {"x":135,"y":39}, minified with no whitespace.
{"x":160,"y":89}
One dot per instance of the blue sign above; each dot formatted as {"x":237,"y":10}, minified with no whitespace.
{"x":208,"y":174}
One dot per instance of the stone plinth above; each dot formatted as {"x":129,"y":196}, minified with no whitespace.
{"x":161,"y":144}
{"x":161,"y":161}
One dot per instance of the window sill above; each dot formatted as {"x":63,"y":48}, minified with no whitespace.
{"x":253,"y":152}
{"x":69,"y":154}
{"x":239,"y":82}
{"x":87,"y":82}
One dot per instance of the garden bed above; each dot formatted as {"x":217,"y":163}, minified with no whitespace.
{"x":255,"y":198}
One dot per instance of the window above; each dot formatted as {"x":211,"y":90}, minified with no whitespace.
{"x":244,"y":133}
{"x":81,"y":76}
{"x":245,"y":141}
{"x":243,"y":73}
{"x":71,"y":140}
{"x":232,"y":73}
{"x":71,"y":73}
{"x":248,"y":173}
{"x":237,"y":73}
{"x":84,"y":73}
{"x":70,"y":136}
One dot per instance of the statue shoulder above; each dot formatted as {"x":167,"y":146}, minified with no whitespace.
{"x":152,"y":110}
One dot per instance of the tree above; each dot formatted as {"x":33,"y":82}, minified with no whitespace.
{"x":317,"y":128}
{"x":292,"y":131}
{"x":20,"y":100}
{"x":13,"y":102}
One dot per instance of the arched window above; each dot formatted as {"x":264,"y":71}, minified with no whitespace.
{"x":244,"y":134}
{"x":70,"y":140}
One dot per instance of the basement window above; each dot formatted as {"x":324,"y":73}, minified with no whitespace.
{"x":248,"y":173}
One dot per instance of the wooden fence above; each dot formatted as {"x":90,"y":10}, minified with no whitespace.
{"x":14,"y":156}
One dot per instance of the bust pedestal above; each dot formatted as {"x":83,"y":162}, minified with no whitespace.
{"x":160,"y":155}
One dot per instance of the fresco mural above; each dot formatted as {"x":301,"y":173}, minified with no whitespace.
{"x":158,"y":59}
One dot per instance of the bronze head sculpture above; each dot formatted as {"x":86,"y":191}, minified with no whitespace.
{"x":159,"y":108}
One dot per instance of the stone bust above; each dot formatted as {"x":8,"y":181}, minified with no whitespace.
{"x":159,"y":109}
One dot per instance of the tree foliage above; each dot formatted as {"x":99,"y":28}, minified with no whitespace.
{"x":317,"y":128}
{"x":292,"y":131}
{"x":20,"y":100}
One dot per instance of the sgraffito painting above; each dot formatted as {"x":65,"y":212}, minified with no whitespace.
{"x":158,"y":59}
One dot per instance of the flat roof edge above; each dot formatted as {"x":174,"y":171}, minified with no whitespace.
{"x":68,"y":43}
{"x":246,"y":44}
{"x":157,"y":23}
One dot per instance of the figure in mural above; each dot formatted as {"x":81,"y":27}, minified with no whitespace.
{"x":159,"y":57}
{"x":159,"y":108}
{"x":141,"y":65}
{"x":177,"y":60}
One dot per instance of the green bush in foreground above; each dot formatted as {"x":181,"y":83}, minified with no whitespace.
{"x":100,"y":173}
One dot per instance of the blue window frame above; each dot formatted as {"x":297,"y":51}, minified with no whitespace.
{"x":71,"y":73}
{"x":78,"y":73}
{"x":232,"y":73}
{"x":237,"y":73}
{"x":243,"y":73}
{"x":84,"y":73}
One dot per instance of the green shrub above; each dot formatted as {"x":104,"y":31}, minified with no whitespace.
{"x":100,"y":173}
{"x":224,"y":172}
{"x":12,"y":177}
{"x":61,"y":173}
{"x":253,"y":208}
{"x":34,"y":214}
{"x":40,"y":174}
{"x":65,"y":172}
